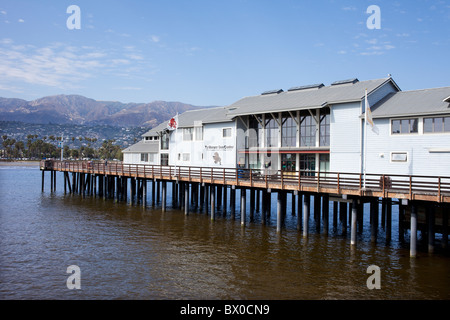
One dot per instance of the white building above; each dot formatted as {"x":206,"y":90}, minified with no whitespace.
{"x":312,"y":128}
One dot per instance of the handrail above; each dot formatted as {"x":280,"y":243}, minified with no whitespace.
{"x":409,"y":185}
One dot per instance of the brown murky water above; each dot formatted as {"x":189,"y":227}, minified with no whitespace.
{"x":126,"y":251}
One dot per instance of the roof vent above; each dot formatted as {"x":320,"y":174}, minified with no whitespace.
{"x":310,"y":86}
{"x":277,"y":91}
{"x":447,"y":99}
{"x":348,"y":81}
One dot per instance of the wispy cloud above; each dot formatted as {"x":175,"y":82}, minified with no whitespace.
{"x":60,"y":65}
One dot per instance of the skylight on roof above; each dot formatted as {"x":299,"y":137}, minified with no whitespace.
{"x":272,"y":91}
{"x":310,"y":86}
{"x":348,"y":81}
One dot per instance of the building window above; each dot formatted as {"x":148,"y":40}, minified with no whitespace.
{"x":404,"y":126}
{"x":436,"y":124}
{"x":186,"y":156}
{"x":226,"y":132}
{"x":288,"y":131}
{"x":271,"y":132}
{"x":187,"y":134}
{"x":151,"y":157}
{"x":198,"y":133}
{"x":165,"y":141}
{"x":324,"y":132}
{"x":255,"y":131}
{"x":324,"y":162}
{"x":288,"y":162}
{"x":307,"y":130}
{"x":164,"y":159}
{"x":144,"y":157}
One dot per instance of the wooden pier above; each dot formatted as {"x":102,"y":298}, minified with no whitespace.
{"x":424,"y":202}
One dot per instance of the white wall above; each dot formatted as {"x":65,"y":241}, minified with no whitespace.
{"x":213,"y":151}
{"x":345,"y":142}
{"x":135,"y":158}
{"x":420,"y":160}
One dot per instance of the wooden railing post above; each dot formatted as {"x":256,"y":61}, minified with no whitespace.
{"x":338,"y":183}
{"x":318,"y":180}
{"x":410,"y":187}
{"x":282,"y":180}
{"x":439,"y":189}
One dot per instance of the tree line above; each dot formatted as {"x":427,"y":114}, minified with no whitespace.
{"x":35,"y":148}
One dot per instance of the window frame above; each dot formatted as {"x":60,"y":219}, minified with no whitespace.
{"x":226,"y":130}
{"x":433,"y":131}
{"x":400,"y":125}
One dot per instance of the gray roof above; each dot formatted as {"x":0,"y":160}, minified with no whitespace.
{"x":143,"y":146}
{"x":416,"y":102}
{"x":188,"y":118}
{"x":311,"y":97}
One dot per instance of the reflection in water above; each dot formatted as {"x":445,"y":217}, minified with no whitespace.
{"x":127,"y":251}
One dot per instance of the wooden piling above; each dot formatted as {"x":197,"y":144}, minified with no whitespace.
{"x":388,"y":220}
{"x":325,"y":212}
{"x":335,"y":215}
{"x":243,"y":205}
{"x":413,"y":232}
{"x":306,"y":203}
{"x":354,"y":220}
{"x":225,"y":200}
{"x":317,"y":219}
{"x":279,"y":209}
{"x":164,"y":196}
{"x":373,"y":221}
{"x":186,"y":198}
{"x":42,"y":180}
{"x":430,"y":214}
{"x":299,"y":211}
{"x":213,"y":201}
{"x":233,"y":202}
{"x":444,"y":241}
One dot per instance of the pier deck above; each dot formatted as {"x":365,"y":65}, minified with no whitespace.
{"x":420,"y":188}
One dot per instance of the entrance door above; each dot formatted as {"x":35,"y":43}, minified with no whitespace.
{"x":164,"y":159}
{"x":307,"y":164}
{"x":288,"y":162}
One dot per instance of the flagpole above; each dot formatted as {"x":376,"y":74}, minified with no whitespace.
{"x":176,"y":149}
{"x":365,"y":138}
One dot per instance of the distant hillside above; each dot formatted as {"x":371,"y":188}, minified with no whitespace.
{"x":76,"y":109}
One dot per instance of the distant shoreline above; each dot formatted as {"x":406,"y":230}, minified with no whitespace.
{"x":22,"y":163}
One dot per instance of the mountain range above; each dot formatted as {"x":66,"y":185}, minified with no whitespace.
{"x":76,"y":109}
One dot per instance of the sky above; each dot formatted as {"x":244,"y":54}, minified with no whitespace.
{"x":215,"y":52}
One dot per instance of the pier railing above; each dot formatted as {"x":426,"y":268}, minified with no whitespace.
{"x":429,"y":188}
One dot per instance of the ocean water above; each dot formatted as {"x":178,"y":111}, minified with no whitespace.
{"x":129,"y":251}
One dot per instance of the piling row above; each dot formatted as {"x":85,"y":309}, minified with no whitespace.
{"x":427,"y":217}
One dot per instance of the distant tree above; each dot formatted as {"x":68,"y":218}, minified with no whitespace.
{"x":74,"y":153}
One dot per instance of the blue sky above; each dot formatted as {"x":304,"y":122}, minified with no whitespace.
{"x":217,"y":51}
